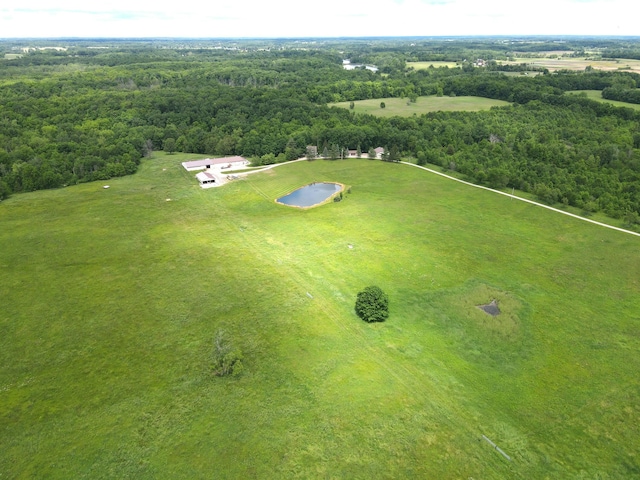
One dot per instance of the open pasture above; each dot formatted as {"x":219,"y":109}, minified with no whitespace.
{"x":432,"y":103}
{"x":435,"y":64}
{"x":111,"y":299}
{"x":579,"y":63}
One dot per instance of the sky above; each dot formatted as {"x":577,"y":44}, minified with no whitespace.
{"x":326,"y":18}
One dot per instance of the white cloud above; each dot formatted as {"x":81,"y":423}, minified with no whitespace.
{"x":289,"y":18}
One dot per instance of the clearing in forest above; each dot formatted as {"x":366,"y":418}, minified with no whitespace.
{"x":403,"y":107}
{"x":435,"y":64}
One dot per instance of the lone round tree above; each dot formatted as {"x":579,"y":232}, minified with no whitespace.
{"x":372,"y":305}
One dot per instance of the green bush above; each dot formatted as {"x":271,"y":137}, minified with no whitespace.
{"x":372,"y":305}
{"x":227,"y":360}
{"x":4,"y":190}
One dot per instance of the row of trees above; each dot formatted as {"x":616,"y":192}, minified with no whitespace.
{"x":629,"y":95}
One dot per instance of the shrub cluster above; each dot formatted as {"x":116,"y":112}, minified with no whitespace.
{"x":372,"y":305}
{"x":226,"y":360}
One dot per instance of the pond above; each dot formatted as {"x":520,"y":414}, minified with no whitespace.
{"x":310,"y":195}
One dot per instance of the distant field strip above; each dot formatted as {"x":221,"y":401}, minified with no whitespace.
{"x":578,"y":63}
{"x":434,"y":64}
{"x":404,"y":108}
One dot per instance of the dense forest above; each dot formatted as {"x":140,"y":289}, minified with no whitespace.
{"x":629,"y":95}
{"x":87,"y":113}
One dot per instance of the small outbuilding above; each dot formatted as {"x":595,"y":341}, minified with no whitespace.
{"x":206,"y":179}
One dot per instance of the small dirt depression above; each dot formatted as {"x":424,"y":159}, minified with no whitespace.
{"x":490,"y":308}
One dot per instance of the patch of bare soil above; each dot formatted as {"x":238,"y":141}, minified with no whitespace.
{"x":490,"y":308}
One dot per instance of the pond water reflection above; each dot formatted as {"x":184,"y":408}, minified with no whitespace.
{"x":310,"y":195}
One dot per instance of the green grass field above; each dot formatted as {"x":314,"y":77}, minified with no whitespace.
{"x":111,"y":299}
{"x":597,"y":95}
{"x":436,"y":64}
{"x":403,"y":108}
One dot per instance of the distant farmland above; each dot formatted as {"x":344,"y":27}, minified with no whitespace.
{"x":436,"y":64}
{"x":403,"y":108}
{"x":578,"y":63}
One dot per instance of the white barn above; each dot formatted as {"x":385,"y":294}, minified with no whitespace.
{"x":218,"y":163}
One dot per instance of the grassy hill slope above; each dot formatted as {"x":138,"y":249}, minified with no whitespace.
{"x":111,"y":299}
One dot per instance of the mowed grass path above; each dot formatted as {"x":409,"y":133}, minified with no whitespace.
{"x":111,"y":298}
{"x":403,"y":108}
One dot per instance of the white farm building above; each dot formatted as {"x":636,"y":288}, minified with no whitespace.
{"x":213,"y":169}
{"x":206,"y":179}
{"x":217,"y":163}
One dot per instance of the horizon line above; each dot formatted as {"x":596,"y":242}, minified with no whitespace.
{"x":341,"y":37}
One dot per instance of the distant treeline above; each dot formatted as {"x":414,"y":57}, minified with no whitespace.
{"x":73,"y":122}
{"x":629,"y":95}
{"x":630,"y":53}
